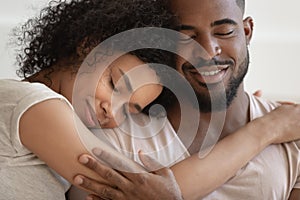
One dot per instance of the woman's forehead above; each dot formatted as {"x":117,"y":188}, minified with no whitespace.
{"x":133,"y":71}
{"x":126,"y":62}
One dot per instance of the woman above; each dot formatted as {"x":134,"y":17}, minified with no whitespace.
{"x":36,"y":112}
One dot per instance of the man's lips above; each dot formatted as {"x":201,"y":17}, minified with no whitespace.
{"x":210,"y":74}
{"x":208,"y":71}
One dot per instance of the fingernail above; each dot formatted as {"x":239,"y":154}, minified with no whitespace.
{"x":97,"y":151}
{"x":78,"y":180}
{"x":141,"y":152}
{"x":89,"y":198}
{"x":83,"y":159}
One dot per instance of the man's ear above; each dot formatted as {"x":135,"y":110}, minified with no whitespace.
{"x":248,"y":28}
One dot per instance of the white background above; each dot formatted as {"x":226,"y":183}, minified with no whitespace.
{"x":274,"y":49}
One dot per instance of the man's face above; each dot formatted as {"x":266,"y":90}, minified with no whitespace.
{"x":219,"y":28}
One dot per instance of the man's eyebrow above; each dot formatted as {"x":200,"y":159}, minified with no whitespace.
{"x":215,"y":23}
{"x":223,"y":21}
{"x":127,"y":81}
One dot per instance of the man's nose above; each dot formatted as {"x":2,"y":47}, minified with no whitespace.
{"x":211,"y":48}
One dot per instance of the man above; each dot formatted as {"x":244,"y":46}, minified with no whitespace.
{"x":218,"y":26}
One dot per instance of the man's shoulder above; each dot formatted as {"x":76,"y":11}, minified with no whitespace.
{"x":260,"y":106}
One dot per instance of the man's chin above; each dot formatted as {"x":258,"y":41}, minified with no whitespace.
{"x":214,"y":107}
{"x":212,"y":103}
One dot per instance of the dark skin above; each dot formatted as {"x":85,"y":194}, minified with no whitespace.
{"x":214,"y":32}
{"x":49,"y":47}
{"x":129,"y":185}
{"x":225,"y":29}
{"x":286,"y":129}
{"x":228,"y":32}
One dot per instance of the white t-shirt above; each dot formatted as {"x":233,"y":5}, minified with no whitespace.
{"x":22,"y":175}
{"x":270,"y":175}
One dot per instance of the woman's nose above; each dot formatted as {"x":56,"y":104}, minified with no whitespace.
{"x":106,"y":107}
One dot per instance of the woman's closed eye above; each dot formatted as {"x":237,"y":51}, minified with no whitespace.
{"x":115,"y":89}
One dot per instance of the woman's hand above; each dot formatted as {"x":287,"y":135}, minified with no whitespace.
{"x":283,"y":123}
{"x":160,"y":184}
{"x":259,"y":93}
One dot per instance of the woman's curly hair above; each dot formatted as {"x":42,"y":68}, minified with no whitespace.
{"x":65,"y":25}
{"x":62,"y":26}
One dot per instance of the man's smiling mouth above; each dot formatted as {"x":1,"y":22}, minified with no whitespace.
{"x":208,"y":74}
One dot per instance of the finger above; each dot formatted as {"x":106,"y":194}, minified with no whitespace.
{"x":93,"y":197}
{"x":123,"y":180}
{"x":102,"y":190}
{"x":149,"y":163}
{"x":153,"y":164}
{"x":109,"y":174}
{"x":118,"y":161}
{"x":258,"y":93}
{"x":286,"y":102}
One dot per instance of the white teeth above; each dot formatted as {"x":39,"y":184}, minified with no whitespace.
{"x":211,"y":73}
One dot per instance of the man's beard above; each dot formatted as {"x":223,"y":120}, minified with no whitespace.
{"x":221,"y":100}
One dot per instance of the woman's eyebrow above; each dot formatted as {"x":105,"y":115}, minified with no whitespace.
{"x":127,"y":81}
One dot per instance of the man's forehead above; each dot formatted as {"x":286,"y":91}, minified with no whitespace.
{"x":206,"y":9}
{"x":183,"y":6}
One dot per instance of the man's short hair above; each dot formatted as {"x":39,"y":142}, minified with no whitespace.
{"x":241,"y":4}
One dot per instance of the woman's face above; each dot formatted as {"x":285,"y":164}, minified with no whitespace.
{"x":126,"y":86}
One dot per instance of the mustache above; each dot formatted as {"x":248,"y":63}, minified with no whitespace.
{"x":202,"y":62}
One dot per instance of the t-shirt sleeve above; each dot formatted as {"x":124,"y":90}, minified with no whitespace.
{"x":297,"y":183}
{"x":38,"y":94}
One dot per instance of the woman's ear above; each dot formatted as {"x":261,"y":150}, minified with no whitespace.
{"x":248,"y":28}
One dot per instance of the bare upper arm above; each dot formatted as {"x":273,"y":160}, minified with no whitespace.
{"x":48,"y":130}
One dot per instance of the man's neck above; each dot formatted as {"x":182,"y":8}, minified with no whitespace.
{"x":219,"y":123}
{"x":237,"y":114}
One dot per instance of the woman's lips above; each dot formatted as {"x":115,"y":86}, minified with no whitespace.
{"x":90,"y":115}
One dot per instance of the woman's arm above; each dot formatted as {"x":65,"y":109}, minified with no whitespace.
{"x":48,"y":130}
{"x":235,"y":150}
{"x":228,"y":155}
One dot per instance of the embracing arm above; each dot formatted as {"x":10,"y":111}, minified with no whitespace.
{"x":235,"y":150}
{"x":226,"y":158}
{"x":197,"y":177}
{"x":48,"y":130}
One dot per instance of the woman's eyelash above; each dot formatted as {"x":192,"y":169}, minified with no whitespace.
{"x":112,"y":83}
